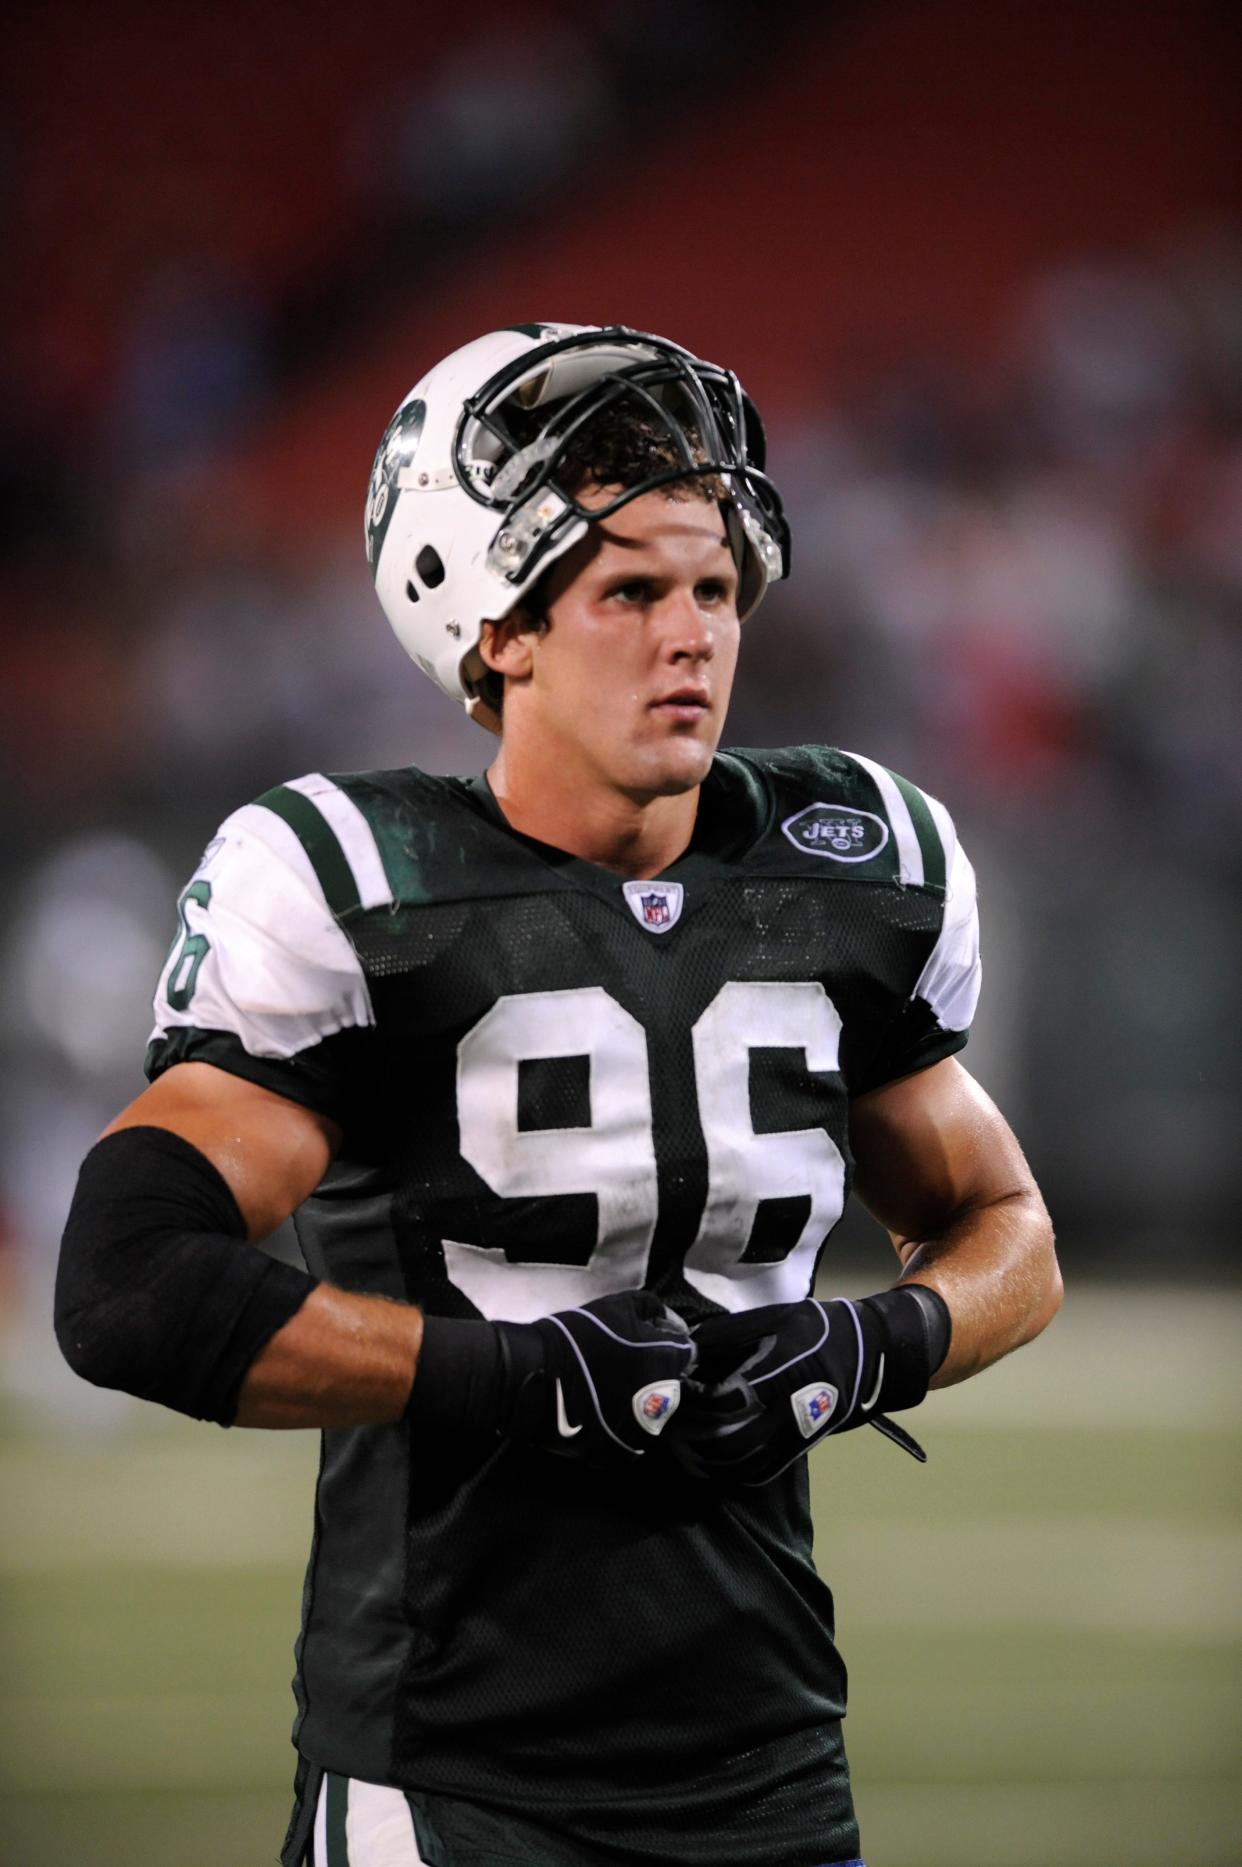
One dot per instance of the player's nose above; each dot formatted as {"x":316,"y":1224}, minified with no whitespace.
{"x":689,"y":631}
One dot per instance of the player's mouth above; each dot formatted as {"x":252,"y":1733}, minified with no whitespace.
{"x":685,"y":705}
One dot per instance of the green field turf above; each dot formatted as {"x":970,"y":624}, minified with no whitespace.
{"x":1042,"y":1625}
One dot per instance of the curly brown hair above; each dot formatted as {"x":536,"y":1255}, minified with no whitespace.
{"x":625,"y":443}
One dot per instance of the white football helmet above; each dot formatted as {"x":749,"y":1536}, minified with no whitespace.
{"x":465,"y":512}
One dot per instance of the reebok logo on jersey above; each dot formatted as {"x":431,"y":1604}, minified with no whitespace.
{"x":838,"y":831}
{"x":563,"y":1426}
{"x":654,"y":905}
{"x":813,"y":1406}
{"x":655,"y":1405}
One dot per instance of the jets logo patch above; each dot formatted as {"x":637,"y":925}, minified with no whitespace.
{"x":837,"y":831}
{"x":814,"y":1406}
{"x":655,"y":1405}
{"x":654,"y":905}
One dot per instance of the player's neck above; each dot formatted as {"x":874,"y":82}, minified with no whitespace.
{"x":638,"y":837}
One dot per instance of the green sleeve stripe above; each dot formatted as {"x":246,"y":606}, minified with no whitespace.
{"x":934,"y":871}
{"x":319,"y":840}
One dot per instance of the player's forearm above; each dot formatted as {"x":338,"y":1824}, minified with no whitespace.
{"x":343,"y":1360}
{"x":995,"y":1266}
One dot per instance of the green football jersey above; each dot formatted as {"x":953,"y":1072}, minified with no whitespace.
{"x":554,"y":1083}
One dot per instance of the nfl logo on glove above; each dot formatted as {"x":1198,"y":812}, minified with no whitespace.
{"x":813,"y":1406}
{"x":655,"y":1405}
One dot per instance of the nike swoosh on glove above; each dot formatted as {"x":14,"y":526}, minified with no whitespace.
{"x":773,"y":1382}
{"x":598,"y":1383}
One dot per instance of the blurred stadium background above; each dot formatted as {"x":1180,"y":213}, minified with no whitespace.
{"x":981,"y":265}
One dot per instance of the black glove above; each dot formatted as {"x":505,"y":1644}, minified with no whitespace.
{"x":773,"y":1382}
{"x":599,"y":1383}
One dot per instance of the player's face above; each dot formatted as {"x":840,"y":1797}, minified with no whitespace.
{"x":631,"y":679}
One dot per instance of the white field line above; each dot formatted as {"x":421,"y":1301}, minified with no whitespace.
{"x":1119,"y":1357}
{"x":166,"y":1491}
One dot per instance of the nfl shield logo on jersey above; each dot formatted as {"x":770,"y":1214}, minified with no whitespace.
{"x":813,"y":1406}
{"x":654,"y":905}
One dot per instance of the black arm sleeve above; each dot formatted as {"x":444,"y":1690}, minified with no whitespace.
{"x":157,"y":1291}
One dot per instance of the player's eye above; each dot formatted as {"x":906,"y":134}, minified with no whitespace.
{"x":713,"y":590}
{"x":634,"y":591}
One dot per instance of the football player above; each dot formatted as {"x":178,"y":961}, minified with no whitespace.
{"x":565,"y":1073}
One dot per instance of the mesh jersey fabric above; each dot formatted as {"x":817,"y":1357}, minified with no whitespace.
{"x":551,"y":1100}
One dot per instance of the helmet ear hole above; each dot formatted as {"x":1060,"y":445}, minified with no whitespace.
{"x":430,"y":567}
{"x":411,"y":592}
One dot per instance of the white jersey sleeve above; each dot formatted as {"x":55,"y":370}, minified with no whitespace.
{"x":939,"y":1005}
{"x":259,"y":955}
{"x":949,"y":982}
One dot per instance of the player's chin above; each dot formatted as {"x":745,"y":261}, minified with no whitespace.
{"x":678,"y":765}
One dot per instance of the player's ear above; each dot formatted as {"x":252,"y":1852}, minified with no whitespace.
{"x":506,"y":647}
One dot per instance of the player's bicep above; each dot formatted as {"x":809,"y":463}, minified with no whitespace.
{"x":271,"y":1151}
{"x":931,"y":1146}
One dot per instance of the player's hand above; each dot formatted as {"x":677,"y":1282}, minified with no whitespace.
{"x":598,"y":1383}
{"x":772,"y":1382}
